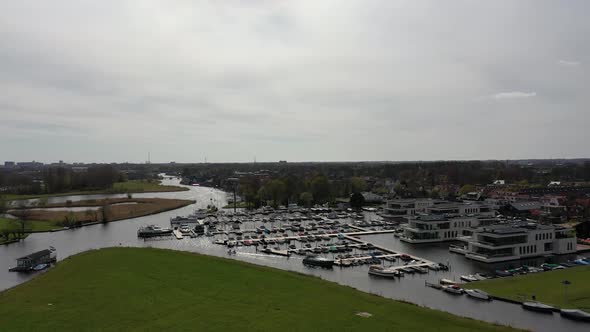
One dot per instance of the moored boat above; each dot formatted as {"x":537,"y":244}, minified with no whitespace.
{"x":419,"y":269}
{"x":453,"y":289}
{"x":468,"y":278}
{"x":447,"y":282}
{"x":538,"y":306}
{"x":575,"y":314}
{"x":153,"y":230}
{"x":379,"y":271}
{"x":318,"y":261}
{"x":478,"y":294}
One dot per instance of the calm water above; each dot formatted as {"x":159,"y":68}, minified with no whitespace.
{"x":410,"y":288}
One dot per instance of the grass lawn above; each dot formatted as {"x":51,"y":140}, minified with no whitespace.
{"x":30,"y":225}
{"x":133,"y":289}
{"x":132,"y":186}
{"x":545,"y":286}
{"x":11,"y":224}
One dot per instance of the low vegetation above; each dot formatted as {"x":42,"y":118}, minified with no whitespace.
{"x":547,"y":287}
{"x":132,"y":289}
{"x":132,"y":186}
{"x":12,"y":229}
{"x":100,"y":210}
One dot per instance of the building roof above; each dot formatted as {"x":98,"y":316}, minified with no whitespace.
{"x":36,"y":255}
{"x":431,"y":217}
{"x":526,"y":206}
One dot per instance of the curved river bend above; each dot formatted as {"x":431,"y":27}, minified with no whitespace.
{"x":410,"y":288}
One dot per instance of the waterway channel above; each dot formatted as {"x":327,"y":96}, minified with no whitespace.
{"x":409,"y":288}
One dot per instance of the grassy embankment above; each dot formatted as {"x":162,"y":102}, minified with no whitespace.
{"x":125,"y":289}
{"x":132,"y":186}
{"x":546,"y":287}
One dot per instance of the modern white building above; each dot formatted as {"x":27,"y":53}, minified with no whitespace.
{"x":447,"y":222}
{"x":437,"y":228}
{"x":409,"y":207}
{"x":523,"y":240}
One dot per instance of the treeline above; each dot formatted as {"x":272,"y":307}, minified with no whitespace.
{"x":413,"y":174}
{"x":317,"y":189}
{"x":52,"y":180}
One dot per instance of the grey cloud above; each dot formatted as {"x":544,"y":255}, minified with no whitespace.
{"x":357,"y":80}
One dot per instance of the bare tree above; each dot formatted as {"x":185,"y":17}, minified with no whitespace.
{"x":22,"y":213}
{"x":105,"y":211}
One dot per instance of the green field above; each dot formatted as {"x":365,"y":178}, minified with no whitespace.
{"x":34,"y":225}
{"x":132,"y":186}
{"x":546,"y":287}
{"x":124,"y":289}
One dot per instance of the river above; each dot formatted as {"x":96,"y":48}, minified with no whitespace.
{"x":410,"y":288}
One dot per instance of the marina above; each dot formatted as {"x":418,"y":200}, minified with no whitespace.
{"x":410,"y":288}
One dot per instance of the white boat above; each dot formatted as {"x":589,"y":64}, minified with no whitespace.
{"x":447,"y":282}
{"x":538,"y":306}
{"x":379,"y":271}
{"x":481,"y":276}
{"x":468,"y":278}
{"x":453,"y":289}
{"x":478,"y":294}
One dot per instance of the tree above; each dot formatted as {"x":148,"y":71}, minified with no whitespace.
{"x":105,"y":211}
{"x":277,"y":191}
{"x":357,"y":184}
{"x":306,"y":198}
{"x":69,"y":219}
{"x":2,"y":205}
{"x":22,"y":214}
{"x":357,"y":200}
{"x":320,"y":189}
{"x":466,"y":189}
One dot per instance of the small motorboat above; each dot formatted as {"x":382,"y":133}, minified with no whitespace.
{"x":408,"y":270}
{"x":376,"y":270}
{"x":434,"y":267}
{"x":575,"y":314}
{"x":468,"y":278}
{"x":421,"y":270}
{"x":482,"y":276}
{"x":503,"y":273}
{"x":478,"y":294}
{"x":453,"y":289}
{"x":538,"y":306}
{"x":40,"y":267}
{"x":443,"y":267}
{"x":447,"y":282}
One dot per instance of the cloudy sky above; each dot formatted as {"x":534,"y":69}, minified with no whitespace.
{"x":297,"y":80}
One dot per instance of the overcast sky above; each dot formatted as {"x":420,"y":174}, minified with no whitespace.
{"x":294,"y":80}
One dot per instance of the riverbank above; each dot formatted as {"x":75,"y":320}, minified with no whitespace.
{"x":154,"y":289}
{"x":547,"y":287}
{"x":132,"y":186}
{"x":104,"y":210}
{"x":47,"y":220}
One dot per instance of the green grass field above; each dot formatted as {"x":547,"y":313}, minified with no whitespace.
{"x":11,"y":224}
{"x":546,"y":287}
{"x":132,"y":186}
{"x":125,"y":289}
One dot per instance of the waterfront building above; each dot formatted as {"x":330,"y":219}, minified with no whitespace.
{"x":409,"y":207}
{"x":520,"y":240}
{"x":447,"y":222}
